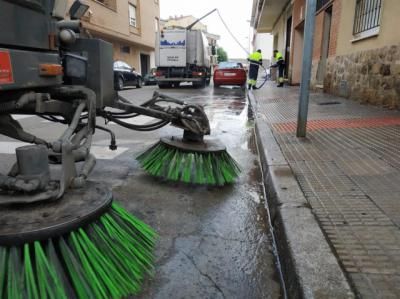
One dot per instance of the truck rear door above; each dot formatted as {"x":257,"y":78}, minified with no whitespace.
{"x":172,"y":48}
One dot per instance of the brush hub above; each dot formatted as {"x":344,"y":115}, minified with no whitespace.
{"x":205,"y":146}
{"x":26,"y":223}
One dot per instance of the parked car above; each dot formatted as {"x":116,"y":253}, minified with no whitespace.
{"x":150,"y":78}
{"x":125,"y":75}
{"x":230,"y":73}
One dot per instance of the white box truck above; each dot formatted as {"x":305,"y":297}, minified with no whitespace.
{"x":182,"y":55}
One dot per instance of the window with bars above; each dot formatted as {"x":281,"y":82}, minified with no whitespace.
{"x":132,"y":15}
{"x":321,"y":3}
{"x":367,"y":16}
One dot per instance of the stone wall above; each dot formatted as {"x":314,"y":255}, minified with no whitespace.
{"x":371,"y":76}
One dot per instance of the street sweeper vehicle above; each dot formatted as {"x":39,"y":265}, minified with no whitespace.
{"x":183,"y":55}
{"x":61,"y":234}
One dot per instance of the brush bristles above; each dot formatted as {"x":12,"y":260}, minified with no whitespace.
{"x":213,"y":168}
{"x":106,"y":259}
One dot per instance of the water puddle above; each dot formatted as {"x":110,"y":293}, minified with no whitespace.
{"x":233,"y":233}
{"x":234,"y":113}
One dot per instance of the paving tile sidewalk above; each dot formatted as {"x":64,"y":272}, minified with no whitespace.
{"x":348,"y":168}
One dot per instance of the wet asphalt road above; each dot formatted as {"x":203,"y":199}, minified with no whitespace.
{"x":213,"y":242}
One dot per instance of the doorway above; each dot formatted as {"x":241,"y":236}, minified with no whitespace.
{"x":275,"y":47}
{"x":298,"y":43}
{"x":326,"y":35}
{"x":144,"y":64}
{"x":288,"y":46}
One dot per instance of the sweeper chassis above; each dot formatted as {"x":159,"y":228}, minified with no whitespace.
{"x":45,"y":194}
{"x":58,"y":229}
{"x":30,"y":179}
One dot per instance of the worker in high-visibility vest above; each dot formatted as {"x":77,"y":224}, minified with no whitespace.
{"x":280,"y":64}
{"x":255,"y":60}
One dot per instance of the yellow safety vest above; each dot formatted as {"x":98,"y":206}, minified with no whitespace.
{"x":278,"y":56}
{"x":256,"y":56}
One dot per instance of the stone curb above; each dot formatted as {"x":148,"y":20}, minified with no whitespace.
{"x":309,"y":266}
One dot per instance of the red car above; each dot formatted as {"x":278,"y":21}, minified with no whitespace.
{"x":230,"y":73}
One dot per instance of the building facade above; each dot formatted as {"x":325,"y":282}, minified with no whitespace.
{"x":356,"y":50}
{"x":130,"y":25}
{"x":366,"y":63}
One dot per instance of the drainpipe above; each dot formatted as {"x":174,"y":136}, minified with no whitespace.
{"x":306,"y":68}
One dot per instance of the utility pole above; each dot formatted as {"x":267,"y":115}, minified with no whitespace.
{"x":306,"y":67}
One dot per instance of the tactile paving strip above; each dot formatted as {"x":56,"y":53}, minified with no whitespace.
{"x":361,"y":232}
{"x":372,"y":286}
{"x":380,"y":142}
{"x":287,"y":127}
{"x":280,"y":107}
{"x":367,"y":249}
{"x":369,"y":171}
{"x":335,"y":199}
{"x":349,"y":170}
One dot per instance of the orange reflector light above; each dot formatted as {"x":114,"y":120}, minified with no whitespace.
{"x":48,"y":69}
{"x":6,"y":74}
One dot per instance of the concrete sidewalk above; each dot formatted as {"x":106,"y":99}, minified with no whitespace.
{"x":335,"y":195}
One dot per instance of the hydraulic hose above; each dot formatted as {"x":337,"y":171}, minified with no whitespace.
{"x":74,"y":123}
{"x":143,"y":128}
{"x":123,"y":115}
{"x":113,"y":144}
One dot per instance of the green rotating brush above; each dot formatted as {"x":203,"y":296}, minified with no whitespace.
{"x":82,"y":246}
{"x":200,"y":162}
{"x":190,"y":159}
